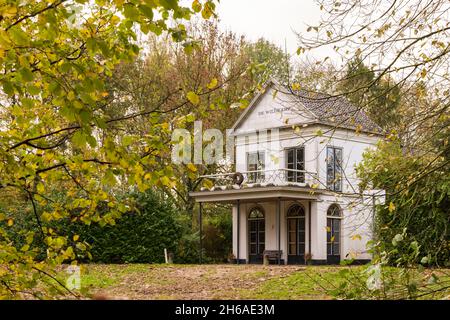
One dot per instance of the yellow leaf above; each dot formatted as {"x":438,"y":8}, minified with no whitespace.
{"x":40,"y":188}
{"x":148,"y":176}
{"x":165,"y":180}
{"x":10,"y":222}
{"x":192,"y":167}
{"x":356,"y":237}
{"x":9,"y":11}
{"x":332,"y":239}
{"x":423,"y":74}
{"x":328,"y":229}
{"x":196,"y":6}
{"x":296,"y":86}
{"x":76,"y":237}
{"x":391,"y":207}
{"x":208,"y":184}
{"x":193,"y":98}
{"x":213,"y":84}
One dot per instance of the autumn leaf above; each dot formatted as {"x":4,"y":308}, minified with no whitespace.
{"x":196,"y":6}
{"x":423,"y":73}
{"x":193,"y":98}
{"x":391,"y":207}
{"x":213,"y":84}
{"x":192,"y":167}
{"x":356,"y":237}
{"x":296,"y":86}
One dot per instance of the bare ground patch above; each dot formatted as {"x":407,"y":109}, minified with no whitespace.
{"x":182,"y":281}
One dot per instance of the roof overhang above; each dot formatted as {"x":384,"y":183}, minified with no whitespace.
{"x":256,"y":194}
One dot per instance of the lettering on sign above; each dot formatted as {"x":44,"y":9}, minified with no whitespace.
{"x":273,"y":110}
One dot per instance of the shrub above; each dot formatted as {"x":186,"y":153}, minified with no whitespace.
{"x":140,"y":236}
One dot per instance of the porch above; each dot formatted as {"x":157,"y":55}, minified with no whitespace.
{"x":275,"y":212}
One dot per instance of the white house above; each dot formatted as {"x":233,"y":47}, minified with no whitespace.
{"x":295,"y":193}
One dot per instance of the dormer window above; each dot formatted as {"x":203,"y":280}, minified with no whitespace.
{"x":295,"y":162}
{"x":255,"y":166}
{"x":334,"y":169}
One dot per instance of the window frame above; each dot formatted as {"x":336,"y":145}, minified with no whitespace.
{"x":293,"y":176}
{"x":259,"y":220}
{"x":331,"y":185}
{"x":337,"y":241}
{"x":258,"y":176}
{"x":297,"y":220}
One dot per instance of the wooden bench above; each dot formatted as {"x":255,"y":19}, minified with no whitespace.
{"x":271,"y":255}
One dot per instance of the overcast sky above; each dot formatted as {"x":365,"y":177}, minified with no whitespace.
{"x":273,"y":20}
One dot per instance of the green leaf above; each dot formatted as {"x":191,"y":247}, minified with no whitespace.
{"x":18,"y":36}
{"x":8,"y":87}
{"x":26,"y":74}
{"x":79,"y":139}
{"x":130,"y":11}
{"x":398,"y":238}
{"x":424,"y":260}
{"x":91,"y":45}
{"x":147,"y":11}
{"x":127,"y":140}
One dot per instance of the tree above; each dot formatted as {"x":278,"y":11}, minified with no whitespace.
{"x":215,"y":73}
{"x":382,"y":98}
{"x":405,"y":43}
{"x":55,"y":57}
{"x":269,"y":61}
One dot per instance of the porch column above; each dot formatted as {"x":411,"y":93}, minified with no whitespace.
{"x":279,"y":229}
{"x":200,"y":230}
{"x":238,"y":229}
{"x":309,"y":227}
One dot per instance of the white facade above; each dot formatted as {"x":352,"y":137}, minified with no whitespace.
{"x":274,"y":123}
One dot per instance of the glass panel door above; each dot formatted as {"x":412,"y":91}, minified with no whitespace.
{"x":333,"y":240}
{"x":296,"y":239}
{"x":256,"y":236}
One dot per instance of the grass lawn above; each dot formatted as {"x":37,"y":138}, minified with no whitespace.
{"x":148,"y":281}
{"x":152,"y":281}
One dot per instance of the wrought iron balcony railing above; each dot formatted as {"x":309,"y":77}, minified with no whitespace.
{"x":276,"y":177}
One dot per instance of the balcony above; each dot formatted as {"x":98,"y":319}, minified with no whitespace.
{"x":261,"y":178}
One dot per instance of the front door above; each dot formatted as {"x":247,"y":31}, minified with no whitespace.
{"x":256,"y":236}
{"x":296,"y":234}
{"x":334,"y":235}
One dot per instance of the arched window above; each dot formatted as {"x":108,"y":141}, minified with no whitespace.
{"x":296,"y":233}
{"x":334,"y":211}
{"x":296,"y":210}
{"x":334,"y":215}
{"x":256,"y":213}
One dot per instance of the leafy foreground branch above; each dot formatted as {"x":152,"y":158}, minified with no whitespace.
{"x":57,"y":134}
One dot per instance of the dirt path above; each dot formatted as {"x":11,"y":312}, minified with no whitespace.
{"x":185,"y":282}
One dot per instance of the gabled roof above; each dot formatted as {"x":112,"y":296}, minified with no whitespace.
{"x":335,"y":111}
